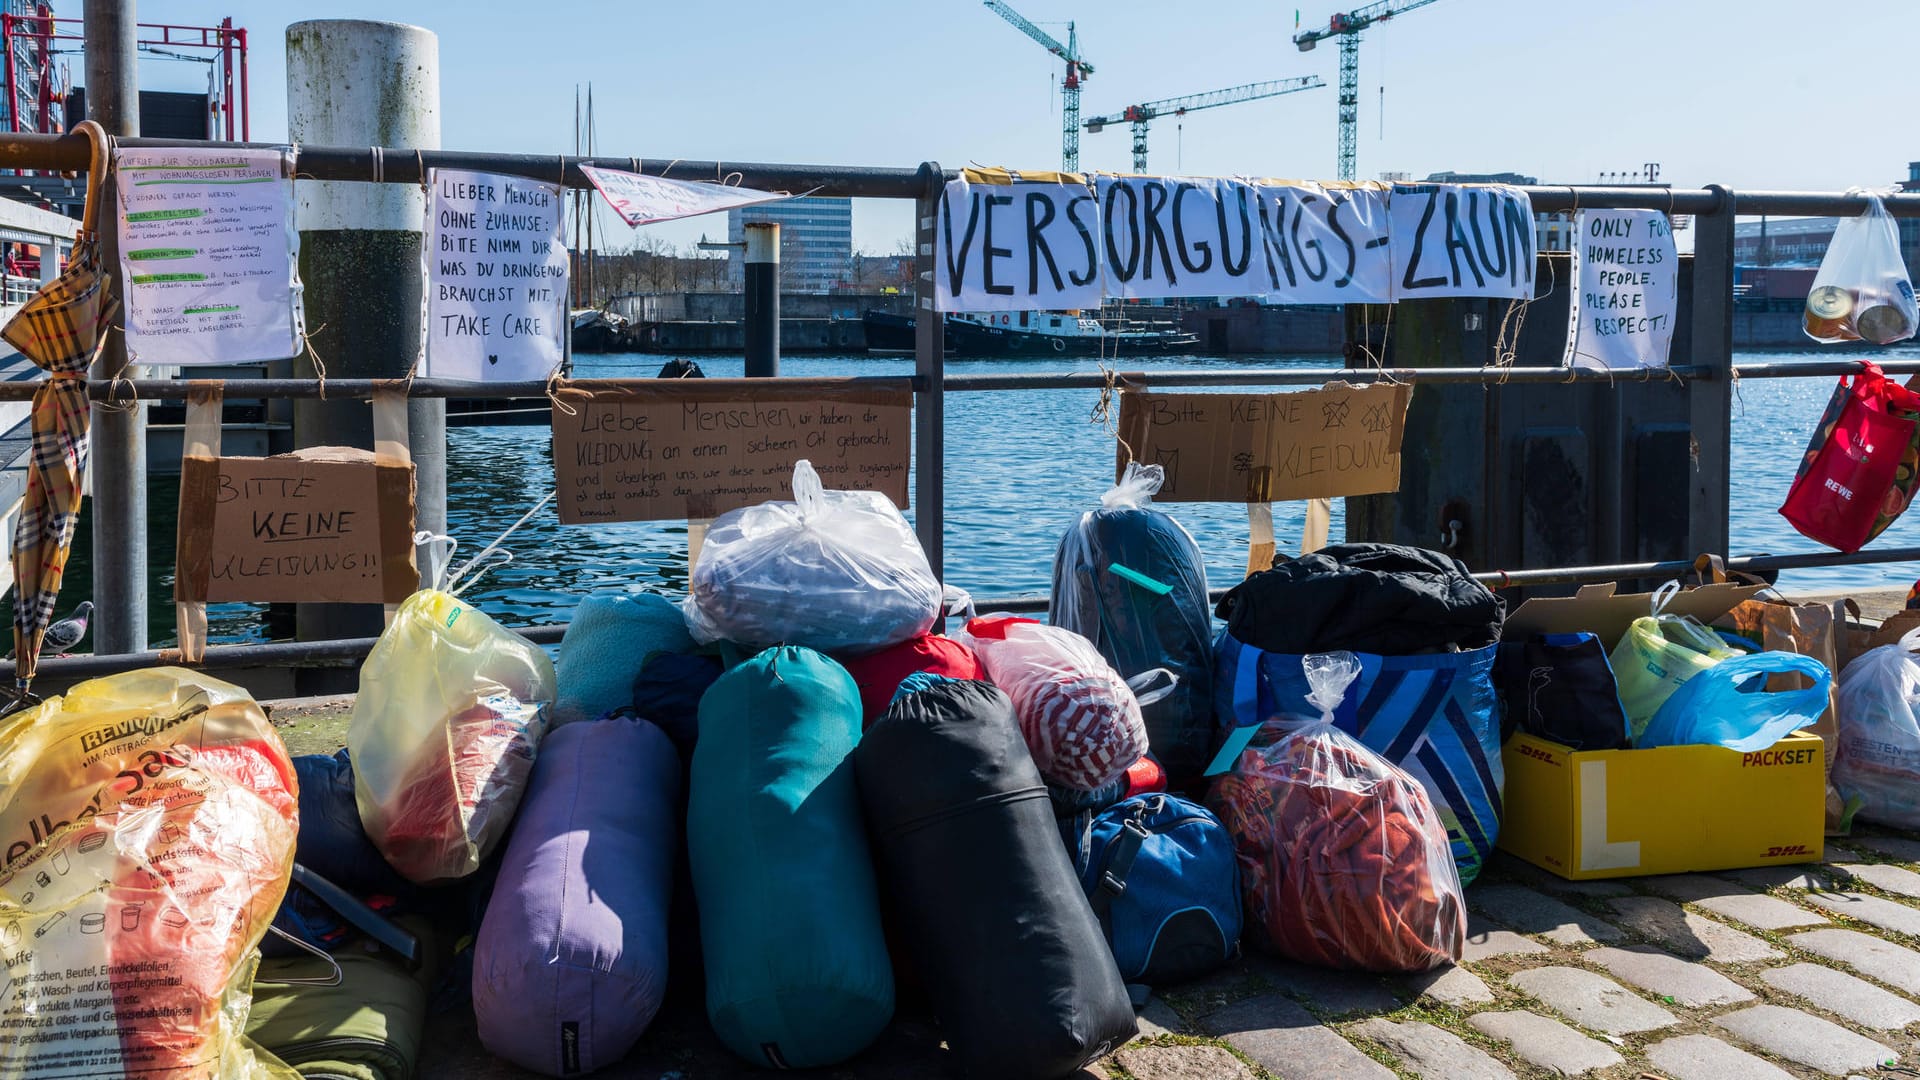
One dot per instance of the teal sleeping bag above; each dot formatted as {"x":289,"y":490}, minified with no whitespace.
{"x":797,"y":972}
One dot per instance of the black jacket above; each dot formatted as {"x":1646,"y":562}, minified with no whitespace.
{"x":1376,"y":598}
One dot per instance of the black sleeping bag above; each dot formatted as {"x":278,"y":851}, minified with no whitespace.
{"x":1019,"y":973}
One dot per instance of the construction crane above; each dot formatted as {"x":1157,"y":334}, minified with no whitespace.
{"x":1077,"y":72}
{"x":1141,"y":115}
{"x":1347,"y":26}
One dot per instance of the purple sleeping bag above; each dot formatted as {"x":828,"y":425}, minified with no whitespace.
{"x":571,"y":962}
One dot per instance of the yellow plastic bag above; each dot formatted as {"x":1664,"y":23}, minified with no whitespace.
{"x":1658,"y":653}
{"x":451,"y":710}
{"x":148,"y":821}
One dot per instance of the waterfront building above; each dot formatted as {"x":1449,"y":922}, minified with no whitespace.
{"x":816,"y":242}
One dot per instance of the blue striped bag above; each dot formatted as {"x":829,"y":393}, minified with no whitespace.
{"x":1434,"y":715}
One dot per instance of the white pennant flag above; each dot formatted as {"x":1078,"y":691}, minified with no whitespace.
{"x":642,"y":200}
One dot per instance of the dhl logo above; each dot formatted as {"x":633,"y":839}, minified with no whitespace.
{"x":1539,"y":755}
{"x":1783,"y":852}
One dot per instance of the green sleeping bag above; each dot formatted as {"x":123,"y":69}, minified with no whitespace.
{"x":797,"y":973}
{"x":369,"y":1027}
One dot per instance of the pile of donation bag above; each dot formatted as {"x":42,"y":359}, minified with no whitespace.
{"x":795,"y":793}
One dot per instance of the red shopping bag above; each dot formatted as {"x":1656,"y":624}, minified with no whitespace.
{"x":1858,"y":474}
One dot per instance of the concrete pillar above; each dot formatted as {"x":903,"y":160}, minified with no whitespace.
{"x":353,"y":82}
{"x":763,"y":299}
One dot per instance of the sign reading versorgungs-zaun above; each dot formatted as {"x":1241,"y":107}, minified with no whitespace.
{"x":699,"y":448}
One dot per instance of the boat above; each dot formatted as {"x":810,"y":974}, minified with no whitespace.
{"x":1026,"y":333}
{"x":598,"y":331}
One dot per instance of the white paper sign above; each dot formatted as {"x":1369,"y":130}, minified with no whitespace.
{"x":1019,"y":246}
{"x":1461,"y":240}
{"x":496,"y":277}
{"x":207,"y":255}
{"x":1325,"y":244}
{"x":1181,"y":236}
{"x":641,"y":200}
{"x":1626,"y":282}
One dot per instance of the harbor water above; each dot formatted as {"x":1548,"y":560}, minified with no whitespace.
{"x":1021,"y":465}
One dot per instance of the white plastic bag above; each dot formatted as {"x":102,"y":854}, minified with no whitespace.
{"x":1861,"y":292}
{"x":1080,"y":719}
{"x":837,"y":571}
{"x":1877,"y":756}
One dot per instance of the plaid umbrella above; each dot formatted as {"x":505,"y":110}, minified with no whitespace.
{"x":59,"y":329}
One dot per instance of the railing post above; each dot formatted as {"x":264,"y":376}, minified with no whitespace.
{"x":1711,"y":396}
{"x":929,"y":364}
{"x":763,"y":299}
{"x":117,"y":470}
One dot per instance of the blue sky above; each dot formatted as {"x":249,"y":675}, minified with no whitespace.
{"x":1751,"y":93}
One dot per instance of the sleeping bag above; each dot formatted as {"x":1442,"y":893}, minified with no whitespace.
{"x":797,"y":974}
{"x":1014,"y":960}
{"x":609,"y":638}
{"x":879,"y":674}
{"x":1163,"y":621}
{"x":571,"y":962}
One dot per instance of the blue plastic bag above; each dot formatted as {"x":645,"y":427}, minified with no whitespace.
{"x":1729,"y":705}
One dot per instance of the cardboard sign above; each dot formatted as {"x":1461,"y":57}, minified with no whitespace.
{"x":1626,"y":289}
{"x":206,"y":251}
{"x":699,"y":447}
{"x":1325,"y":243}
{"x":641,"y":200}
{"x":496,"y":277}
{"x":329,"y":523}
{"x":1598,"y":610}
{"x":1261,"y":448}
{"x":1461,"y":240}
{"x":1007,"y":243}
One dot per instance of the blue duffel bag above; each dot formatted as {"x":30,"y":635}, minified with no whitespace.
{"x":1433,"y":714}
{"x":1164,"y":881}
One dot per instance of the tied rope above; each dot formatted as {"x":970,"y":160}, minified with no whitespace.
{"x":557,"y":386}
{"x":1103,"y":413}
{"x":1506,"y":344}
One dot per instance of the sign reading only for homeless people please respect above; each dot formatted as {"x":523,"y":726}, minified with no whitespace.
{"x":698,"y":448}
{"x":1006,"y":242}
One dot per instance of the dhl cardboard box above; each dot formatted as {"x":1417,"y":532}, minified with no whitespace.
{"x":1671,"y":809}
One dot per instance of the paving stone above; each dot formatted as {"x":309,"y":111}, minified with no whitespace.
{"x":1434,"y":1053}
{"x":1886,"y":877}
{"x":1896,"y":966}
{"x":1157,"y":1018}
{"x":1539,"y":878}
{"x":1451,"y":985}
{"x":1872,"y":910}
{"x":1284,"y":1039}
{"x":1592,"y":1001}
{"x":1336,"y":992}
{"x":1703,"y":1057}
{"x":1527,"y":911}
{"x":1546,"y":1042}
{"x":1838,"y":992}
{"x":1689,"y":888}
{"x":1731,"y":901}
{"x":1485,"y":941}
{"x":1790,"y":876}
{"x":1893,"y":847}
{"x":1182,"y":1063}
{"x":1688,"y":934}
{"x":1680,"y":981}
{"x":1809,"y":1040}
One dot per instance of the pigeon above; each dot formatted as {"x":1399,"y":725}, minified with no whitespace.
{"x":66,"y":633}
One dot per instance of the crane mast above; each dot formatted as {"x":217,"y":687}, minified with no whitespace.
{"x":1347,"y":27}
{"x":1077,"y":72}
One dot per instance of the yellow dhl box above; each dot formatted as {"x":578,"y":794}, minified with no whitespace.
{"x":1667,"y":810}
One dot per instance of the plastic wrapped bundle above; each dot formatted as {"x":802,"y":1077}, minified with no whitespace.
{"x":1343,"y":861}
{"x":1878,"y":760}
{"x":838,"y":571}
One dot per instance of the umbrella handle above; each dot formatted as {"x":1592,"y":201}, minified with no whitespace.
{"x":96,"y":172}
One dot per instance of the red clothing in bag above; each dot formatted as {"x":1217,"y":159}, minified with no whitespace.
{"x":879,"y":674}
{"x":1858,"y":474}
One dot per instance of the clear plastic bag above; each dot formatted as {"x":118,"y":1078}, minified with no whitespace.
{"x":837,"y":571}
{"x":1343,"y":860}
{"x":1080,"y":719}
{"x":1861,"y":292}
{"x":149,"y":819}
{"x":1658,"y":654}
{"x":450,"y":713}
{"x":1729,"y":704}
{"x":1877,"y":754}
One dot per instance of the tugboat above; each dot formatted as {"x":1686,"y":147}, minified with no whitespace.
{"x":1025,"y":333}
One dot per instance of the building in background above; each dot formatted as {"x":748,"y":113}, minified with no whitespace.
{"x":1910,"y":227}
{"x":1782,"y":241}
{"x":816,"y":242}
{"x":1551,"y":231}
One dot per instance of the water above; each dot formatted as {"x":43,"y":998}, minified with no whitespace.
{"x":1021,"y":465}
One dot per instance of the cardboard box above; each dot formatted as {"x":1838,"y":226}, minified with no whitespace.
{"x":1596,"y":610}
{"x":1668,"y":810}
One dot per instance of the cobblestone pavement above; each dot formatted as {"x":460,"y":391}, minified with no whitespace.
{"x":1786,"y":972}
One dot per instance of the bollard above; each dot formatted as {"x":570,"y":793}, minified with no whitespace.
{"x":363,"y":83}
{"x":118,"y":470}
{"x":763,"y":299}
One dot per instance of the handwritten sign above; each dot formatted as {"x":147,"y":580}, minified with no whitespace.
{"x":206,"y":252}
{"x":1006,"y":244}
{"x":1461,"y":240}
{"x":642,"y":200}
{"x":1626,"y":282}
{"x":496,"y":277}
{"x":328,"y":523}
{"x":1180,"y":236}
{"x":1262,"y":448}
{"x":1325,"y":243}
{"x":698,"y":448}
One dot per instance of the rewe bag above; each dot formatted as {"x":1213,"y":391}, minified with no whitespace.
{"x":1165,"y":885}
{"x":1861,"y":292}
{"x":1859,"y":470}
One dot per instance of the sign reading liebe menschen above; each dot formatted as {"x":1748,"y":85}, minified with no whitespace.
{"x":1626,"y":280}
{"x":496,"y":277}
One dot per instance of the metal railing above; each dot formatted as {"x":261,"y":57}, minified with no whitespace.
{"x":1703,"y":362}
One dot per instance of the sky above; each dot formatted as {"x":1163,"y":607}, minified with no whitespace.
{"x":1748,"y":93}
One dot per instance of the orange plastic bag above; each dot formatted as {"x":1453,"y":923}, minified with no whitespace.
{"x":1343,"y":860}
